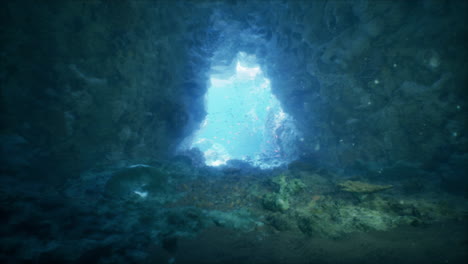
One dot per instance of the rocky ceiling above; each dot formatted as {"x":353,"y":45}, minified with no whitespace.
{"x":370,"y":84}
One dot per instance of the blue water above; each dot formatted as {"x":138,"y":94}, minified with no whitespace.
{"x":335,"y":132}
{"x":242,"y":114}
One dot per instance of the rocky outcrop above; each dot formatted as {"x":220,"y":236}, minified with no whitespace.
{"x":86,"y":83}
{"x":370,"y":84}
{"x":362,"y":187}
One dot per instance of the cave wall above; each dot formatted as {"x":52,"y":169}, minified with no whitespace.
{"x":374,"y":84}
{"x":96,"y":82}
{"x":371,"y":84}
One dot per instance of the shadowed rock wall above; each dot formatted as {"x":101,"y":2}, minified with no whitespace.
{"x":372,"y":84}
{"x":94,"y":81}
{"x":378,"y":84}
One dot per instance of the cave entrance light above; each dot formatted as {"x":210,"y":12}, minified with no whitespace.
{"x":243,"y":117}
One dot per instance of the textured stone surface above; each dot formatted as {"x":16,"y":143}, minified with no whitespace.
{"x":370,"y":84}
{"x":362,"y":187}
{"x":92,"y":81}
{"x":95,"y":97}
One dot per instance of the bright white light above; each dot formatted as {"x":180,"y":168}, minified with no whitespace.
{"x":220,"y":82}
{"x":246,"y":73}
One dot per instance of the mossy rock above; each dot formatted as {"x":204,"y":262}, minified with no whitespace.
{"x":142,"y":178}
{"x":279,"y":182}
{"x":280,"y":222}
{"x":275,"y":202}
{"x":295,"y":186}
{"x":362,"y":187}
{"x":319,"y":223}
{"x":286,"y":186}
{"x":279,"y":201}
{"x":336,"y":221}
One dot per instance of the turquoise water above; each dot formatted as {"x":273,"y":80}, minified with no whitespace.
{"x":242,"y":115}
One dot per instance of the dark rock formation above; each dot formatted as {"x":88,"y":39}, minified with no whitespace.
{"x":371,"y":84}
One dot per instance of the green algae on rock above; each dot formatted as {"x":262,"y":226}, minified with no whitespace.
{"x":279,"y":201}
{"x":362,"y":187}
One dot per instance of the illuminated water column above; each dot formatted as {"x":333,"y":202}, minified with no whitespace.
{"x":239,"y":108}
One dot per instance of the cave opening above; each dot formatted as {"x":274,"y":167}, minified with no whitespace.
{"x":244,"y":121}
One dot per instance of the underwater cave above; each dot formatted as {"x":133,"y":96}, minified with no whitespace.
{"x":237,"y":131}
{"x":244,"y":119}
